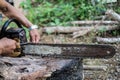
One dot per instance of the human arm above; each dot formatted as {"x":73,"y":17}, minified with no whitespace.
{"x":7,"y":46}
{"x":12,"y":12}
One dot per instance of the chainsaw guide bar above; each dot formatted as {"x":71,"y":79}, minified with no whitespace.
{"x":68,"y":50}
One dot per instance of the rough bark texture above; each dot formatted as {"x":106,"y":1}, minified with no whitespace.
{"x":34,"y":68}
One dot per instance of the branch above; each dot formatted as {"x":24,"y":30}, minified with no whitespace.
{"x":94,"y":29}
{"x":81,"y":32}
{"x":113,"y":15}
{"x":95,"y":67}
{"x":107,"y":40}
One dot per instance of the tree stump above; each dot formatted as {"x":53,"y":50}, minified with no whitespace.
{"x":36,"y":68}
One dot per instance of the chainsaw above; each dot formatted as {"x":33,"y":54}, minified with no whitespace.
{"x":68,"y":51}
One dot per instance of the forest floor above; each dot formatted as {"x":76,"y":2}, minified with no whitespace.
{"x":102,"y":69}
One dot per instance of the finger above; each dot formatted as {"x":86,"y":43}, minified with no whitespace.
{"x":33,"y":39}
{"x":13,"y":46}
{"x":34,"y":36}
{"x":17,"y":45}
{"x":37,"y":38}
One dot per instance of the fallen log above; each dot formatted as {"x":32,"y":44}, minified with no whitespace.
{"x":107,"y":40}
{"x":71,"y":29}
{"x":112,"y":14}
{"x":35,"y":68}
{"x":94,"y":22}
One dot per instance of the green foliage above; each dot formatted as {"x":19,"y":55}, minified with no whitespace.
{"x":58,"y":12}
{"x":117,"y":10}
{"x":115,"y":32}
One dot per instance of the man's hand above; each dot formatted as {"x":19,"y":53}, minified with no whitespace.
{"x":7,"y":46}
{"x":35,"y":36}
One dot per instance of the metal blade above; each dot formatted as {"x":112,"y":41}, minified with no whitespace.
{"x":69,"y":50}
